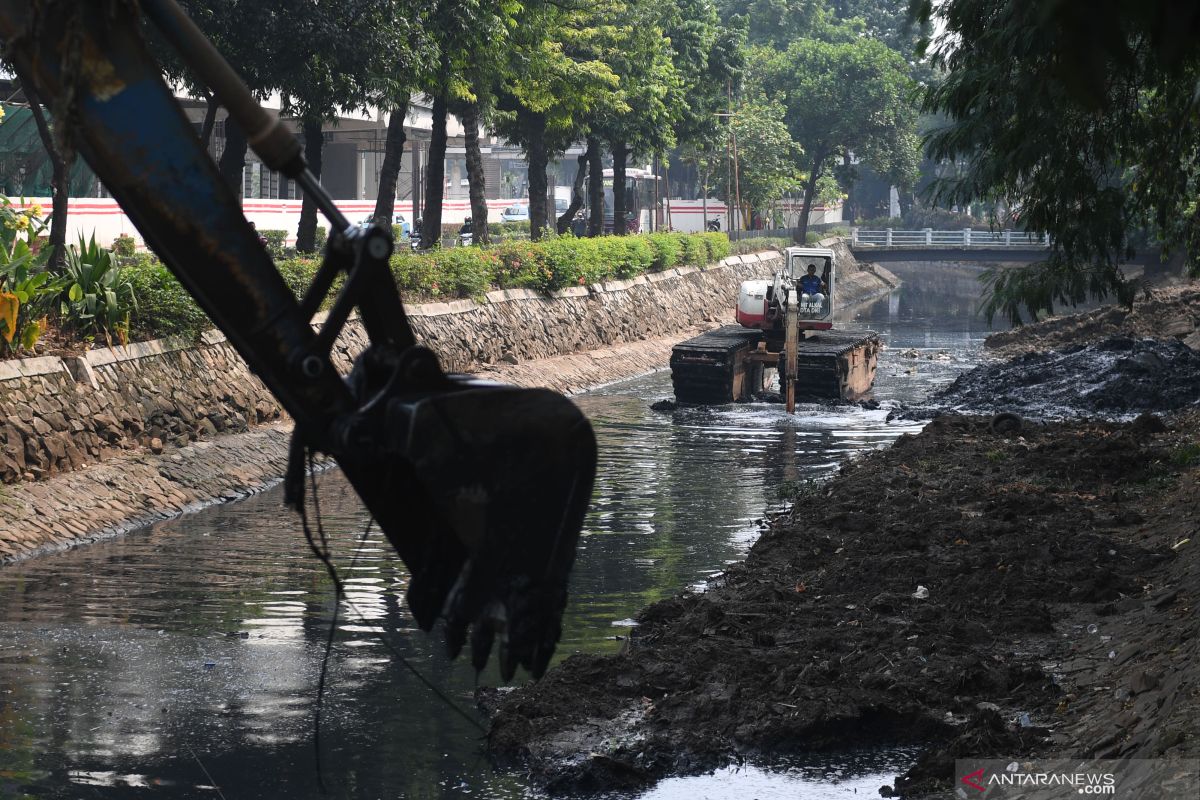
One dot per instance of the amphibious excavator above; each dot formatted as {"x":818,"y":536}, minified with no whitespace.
{"x":480,"y":488}
{"x":785,"y":326}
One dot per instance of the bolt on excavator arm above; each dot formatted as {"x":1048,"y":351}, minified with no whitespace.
{"x":481,"y":488}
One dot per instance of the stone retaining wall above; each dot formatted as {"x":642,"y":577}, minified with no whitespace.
{"x":60,"y":414}
{"x":131,"y":416}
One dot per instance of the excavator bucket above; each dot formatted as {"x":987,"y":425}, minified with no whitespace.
{"x":509,"y":473}
{"x":499,"y":478}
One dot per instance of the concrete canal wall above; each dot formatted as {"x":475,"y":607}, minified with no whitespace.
{"x":97,"y":443}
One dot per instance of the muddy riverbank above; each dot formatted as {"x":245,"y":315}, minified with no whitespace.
{"x":983,"y":593}
{"x":1168,"y":313}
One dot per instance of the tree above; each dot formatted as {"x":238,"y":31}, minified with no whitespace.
{"x":59,"y":188}
{"x":1082,"y":119}
{"x":641,"y":117}
{"x":471,"y":37}
{"x":352,"y":60}
{"x":237,"y":30}
{"x":768,"y":158}
{"x":389,"y":171}
{"x":840,"y":98}
{"x":554,"y":78}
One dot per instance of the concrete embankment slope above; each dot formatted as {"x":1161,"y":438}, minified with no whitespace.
{"x":114,"y":438}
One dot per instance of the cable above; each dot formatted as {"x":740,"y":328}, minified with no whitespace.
{"x":322,"y":552}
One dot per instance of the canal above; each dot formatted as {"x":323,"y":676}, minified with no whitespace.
{"x":183,"y":660}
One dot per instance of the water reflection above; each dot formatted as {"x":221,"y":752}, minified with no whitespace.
{"x":188,"y":654}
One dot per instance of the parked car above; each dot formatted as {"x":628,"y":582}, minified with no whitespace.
{"x":398,"y":220}
{"x":515,"y":214}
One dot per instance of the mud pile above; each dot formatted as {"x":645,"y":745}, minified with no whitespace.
{"x":1119,"y":377}
{"x":1161,"y":314}
{"x":941,"y":592}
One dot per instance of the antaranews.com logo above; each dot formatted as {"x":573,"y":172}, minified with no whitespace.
{"x":1058,"y":779}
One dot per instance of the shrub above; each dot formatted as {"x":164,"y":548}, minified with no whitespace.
{"x":276,"y":241}
{"x":415,"y":273}
{"x":164,"y":308}
{"x":464,"y":271}
{"x":522,"y":265}
{"x":124,"y":246}
{"x":718,"y":246}
{"x":298,"y":273}
{"x":321,"y":237}
{"x":760,"y":244}
{"x":96,"y":297}
{"x":573,"y":262}
{"x":625,"y":256}
{"x":667,"y":250}
{"x":695,"y":251}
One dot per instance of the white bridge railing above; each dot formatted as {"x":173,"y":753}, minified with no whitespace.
{"x":928,"y":237}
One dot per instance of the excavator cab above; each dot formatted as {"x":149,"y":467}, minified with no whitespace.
{"x":480,"y":488}
{"x":811,"y":274}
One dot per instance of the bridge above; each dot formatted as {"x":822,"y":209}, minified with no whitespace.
{"x":927,"y":244}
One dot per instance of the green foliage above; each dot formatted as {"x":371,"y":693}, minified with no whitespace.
{"x":463,"y":271}
{"x":717,"y":244}
{"x":668,"y":250}
{"x":320,"y":239}
{"x":1038,"y":289}
{"x":1185,"y":455}
{"x":849,"y":96}
{"x":298,"y":273}
{"x":27,"y":290}
{"x":276,"y":241}
{"x":1084,"y":123}
{"x":769,"y":159}
{"x":96,"y":299}
{"x":164,"y":307}
{"x":759,"y":244}
{"x":124,"y":246}
{"x":695,"y":249}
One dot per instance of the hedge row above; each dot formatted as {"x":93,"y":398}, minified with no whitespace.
{"x":165,"y":309}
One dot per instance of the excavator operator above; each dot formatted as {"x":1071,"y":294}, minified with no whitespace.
{"x":812,"y":288}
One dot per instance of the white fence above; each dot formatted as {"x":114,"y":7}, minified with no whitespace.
{"x":928,"y":237}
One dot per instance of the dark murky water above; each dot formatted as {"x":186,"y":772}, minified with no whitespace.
{"x":182,"y":661}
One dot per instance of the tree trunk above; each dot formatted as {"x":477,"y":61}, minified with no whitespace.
{"x":393,"y":155}
{"x":233,"y":157}
{"x":564,"y":221}
{"x":314,"y":144}
{"x":58,"y":181}
{"x":595,"y":188}
{"x":435,"y":177}
{"x":619,"y":155}
{"x":210,"y":121}
{"x":476,"y":181}
{"x":535,"y":136}
{"x":810,"y":191}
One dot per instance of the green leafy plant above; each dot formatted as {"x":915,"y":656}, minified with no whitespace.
{"x":164,"y":307}
{"x":27,"y":290}
{"x":124,"y":246}
{"x":96,"y":297}
{"x":276,"y":241}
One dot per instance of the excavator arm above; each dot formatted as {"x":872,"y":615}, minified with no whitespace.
{"x":480,"y":488}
